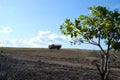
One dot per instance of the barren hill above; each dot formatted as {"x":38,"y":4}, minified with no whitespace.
{"x":45,"y":64}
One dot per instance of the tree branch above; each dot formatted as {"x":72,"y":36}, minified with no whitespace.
{"x":109,"y":42}
{"x":93,"y":42}
{"x":97,"y":44}
{"x":99,"y":39}
{"x":99,"y":69}
{"x":101,"y":49}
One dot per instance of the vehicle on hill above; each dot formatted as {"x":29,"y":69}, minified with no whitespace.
{"x":54,"y":46}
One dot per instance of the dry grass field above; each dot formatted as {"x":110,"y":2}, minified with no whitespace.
{"x":45,"y":64}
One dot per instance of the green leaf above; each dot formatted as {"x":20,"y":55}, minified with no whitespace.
{"x":67,"y":20}
{"x":81,"y":17}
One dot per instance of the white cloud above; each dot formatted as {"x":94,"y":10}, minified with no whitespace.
{"x":41,"y":33}
{"x":6,"y":30}
{"x":43,"y":39}
{"x":53,"y":36}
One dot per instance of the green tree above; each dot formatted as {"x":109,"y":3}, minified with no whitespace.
{"x":100,"y":25}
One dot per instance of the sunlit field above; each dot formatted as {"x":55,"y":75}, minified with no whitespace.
{"x":45,"y":64}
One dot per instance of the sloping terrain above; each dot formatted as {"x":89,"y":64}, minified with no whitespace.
{"x":45,"y":64}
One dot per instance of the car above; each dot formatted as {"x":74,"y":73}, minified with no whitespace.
{"x":54,"y":46}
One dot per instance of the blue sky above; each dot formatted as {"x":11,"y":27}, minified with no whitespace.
{"x":35,"y":23}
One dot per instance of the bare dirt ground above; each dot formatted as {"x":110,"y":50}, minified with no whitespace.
{"x":44,"y":64}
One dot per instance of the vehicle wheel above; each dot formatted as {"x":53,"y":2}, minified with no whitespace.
{"x":58,"y":48}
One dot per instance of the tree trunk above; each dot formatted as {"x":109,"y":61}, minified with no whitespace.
{"x":104,"y":68}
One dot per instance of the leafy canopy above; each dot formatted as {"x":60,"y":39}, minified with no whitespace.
{"x":101,"y":24}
